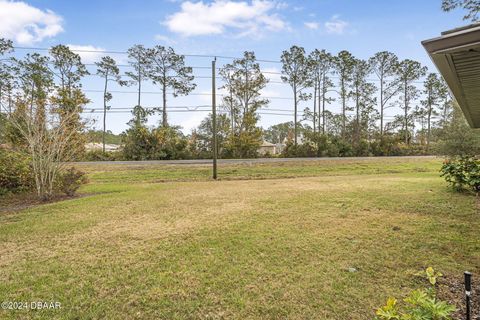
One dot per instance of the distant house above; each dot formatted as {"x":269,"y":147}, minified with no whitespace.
{"x":91,"y":146}
{"x":267,"y":148}
{"x":279,"y":147}
{"x":300,"y":140}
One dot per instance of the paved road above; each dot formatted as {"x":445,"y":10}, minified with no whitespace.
{"x":240,"y":161}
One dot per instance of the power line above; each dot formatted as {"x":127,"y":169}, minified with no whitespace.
{"x":201,"y":108}
{"x":187,"y":55}
{"x":125,"y":52}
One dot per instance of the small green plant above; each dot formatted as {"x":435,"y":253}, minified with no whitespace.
{"x":462,"y":173}
{"x":431,"y":275}
{"x":69,"y":181}
{"x":420,"y":304}
{"x":15,"y":172}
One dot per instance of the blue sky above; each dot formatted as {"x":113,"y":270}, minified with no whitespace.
{"x":224,"y":28}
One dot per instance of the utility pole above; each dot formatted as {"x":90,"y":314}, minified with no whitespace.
{"x":214,"y":119}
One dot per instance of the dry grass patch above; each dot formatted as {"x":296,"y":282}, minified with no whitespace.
{"x":248,"y":249}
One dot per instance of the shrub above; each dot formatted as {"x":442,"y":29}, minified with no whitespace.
{"x":419,"y":304}
{"x":306,"y":149}
{"x":69,"y":181}
{"x":15,"y":172}
{"x":462,"y":173}
{"x":164,"y":143}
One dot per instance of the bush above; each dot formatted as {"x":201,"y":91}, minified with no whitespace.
{"x":419,"y":304}
{"x":164,"y":143}
{"x":301,"y":150}
{"x":462,"y":173}
{"x":15,"y":172}
{"x":69,"y":181}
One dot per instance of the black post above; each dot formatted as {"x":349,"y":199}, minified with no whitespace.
{"x":214,"y":120}
{"x":468,"y":293}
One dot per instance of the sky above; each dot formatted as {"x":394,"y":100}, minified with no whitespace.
{"x":224,"y":28}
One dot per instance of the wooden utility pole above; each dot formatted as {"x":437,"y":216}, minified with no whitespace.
{"x":214,"y":120}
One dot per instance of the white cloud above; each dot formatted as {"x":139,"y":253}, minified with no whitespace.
{"x":26,"y":24}
{"x":88,"y":53}
{"x":336,"y":26}
{"x":251,"y":18}
{"x":312,"y":25}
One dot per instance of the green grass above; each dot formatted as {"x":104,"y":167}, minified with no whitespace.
{"x":269,"y":241}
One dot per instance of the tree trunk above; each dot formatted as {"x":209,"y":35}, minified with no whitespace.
{"x":344,"y":115}
{"x":324,"y":89}
{"x":104,"y":113}
{"x":164,"y":109}
{"x":10,"y":101}
{"x":295,"y":115}
{"x":445,"y":112}
{"x":319,"y":97}
{"x":406,"y":113}
{"x":315,"y":108}
{"x":139,"y":87}
{"x":232,"y":113}
{"x":246,"y":90}
{"x":429,"y":116}
{"x":381,"y":106}
{"x":357,"y":106}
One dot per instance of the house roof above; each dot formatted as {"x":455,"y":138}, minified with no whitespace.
{"x":97,"y":146}
{"x":456,"y":54}
{"x":267,"y":144}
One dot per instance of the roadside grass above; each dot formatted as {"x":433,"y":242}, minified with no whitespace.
{"x":191,"y":248}
{"x":102,"y":173}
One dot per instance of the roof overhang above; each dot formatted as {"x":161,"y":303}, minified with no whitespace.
{"x":456,"y":54}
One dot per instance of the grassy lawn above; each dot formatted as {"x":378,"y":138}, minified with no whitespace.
{"x":269,"y":241}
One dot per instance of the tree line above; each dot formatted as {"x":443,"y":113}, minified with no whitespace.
{"x":363,"y":89}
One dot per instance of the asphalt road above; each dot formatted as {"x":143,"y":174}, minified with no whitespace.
{"x":240,"y":161}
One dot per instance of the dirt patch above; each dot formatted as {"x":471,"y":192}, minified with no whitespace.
{"x":452,"y":289}
{"x":19,"y":202}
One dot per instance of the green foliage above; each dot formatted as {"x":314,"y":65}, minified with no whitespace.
{"x":45,"y":118}
{"x":243,"y":83}
{"x":344,"y":62}
{"x":246,"y":143}
{"x":169,"y":143}
{"x":3,"y":124}
{"x":278,"y":133}
{"x":420,"y":304}
{"x":70,"y":181}
{"x":457,"y":138}
{"x":471,"y":6}
{"x":297,"y":71}
{"x":137,"y":143}
{"x":164,"y":143}
{"x":200,"y":144}
{"x":110,"y":137}
{"x":431,"y":275}
{"x":168,"y":70}
{"x":15,"y":172}
{"x":409,"y":71}
{"x":462,"y":173}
